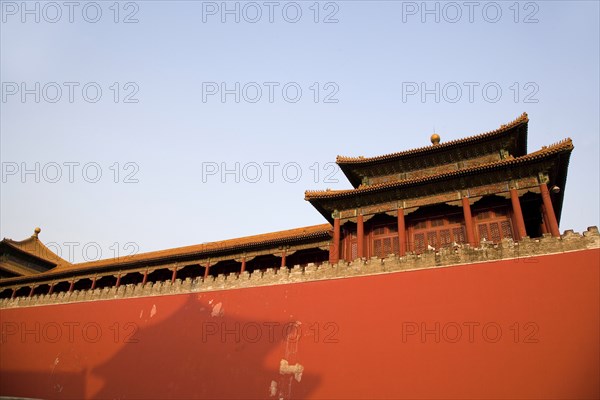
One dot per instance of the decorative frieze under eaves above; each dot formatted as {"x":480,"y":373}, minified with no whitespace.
{"x":453,"y":198}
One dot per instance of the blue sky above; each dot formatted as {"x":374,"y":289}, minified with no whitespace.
{"x":187,"y":92}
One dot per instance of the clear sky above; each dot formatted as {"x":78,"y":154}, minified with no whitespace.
{"x":163,"y":98}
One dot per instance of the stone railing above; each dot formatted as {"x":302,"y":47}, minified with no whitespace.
{"x":526,"y":250}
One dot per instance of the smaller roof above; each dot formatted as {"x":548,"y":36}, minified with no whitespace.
{"x":33,"y":247}
{"x":212,"y":248}
{"x":315,"y":232}
{"x":521,"y":120}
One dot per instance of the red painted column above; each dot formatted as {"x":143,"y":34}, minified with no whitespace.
{"x":334,"y":252}
{"x":516,"y":206}
{"x":549,"y":211}
{"x":206,"y":270}
{"x":72,"y":286}
{"x":31,"y":291}
{"x":243,"y":265}
{"x":14,"y":294}
{"x":94,"y":283}
{"x":174,"y":275}
{"x":468,"y":221}
{"x":283,"y":259}
{"x":360,"y":233}
{"x":51,"y":289}
{"x":145,"y":278}
{"x":401,"y":233}
{"x":118,"y":280}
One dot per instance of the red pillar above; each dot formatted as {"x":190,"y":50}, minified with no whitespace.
{"x":118,"y":280}
{"x":283,"y":259}
{"x":94,"y":283}
{"x":206,"y":270}
{"x":518,"y":213}
{"x":14,"y":294}
{"x":72,"y":286}
{"x":549,"y":211}
{"x":145,"y":278}
{"x":31,"y":291}
{"x":51,"y":289}
{"x":334,"y":251}
{"x":174,"y":275}
{"x":468,"y":221}
{"x":401,"y":233}
{"x":360,"y":233}
{"x":243,"y":265}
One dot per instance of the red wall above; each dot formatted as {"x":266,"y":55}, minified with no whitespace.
{"x":385,"y":336}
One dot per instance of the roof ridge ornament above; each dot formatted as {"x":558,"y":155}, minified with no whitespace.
{"x":36,"y":232}
{"x":435,"y":139}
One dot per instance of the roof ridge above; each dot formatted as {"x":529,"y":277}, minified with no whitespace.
{"x":566,"y":142}
{"x":523,"y":118}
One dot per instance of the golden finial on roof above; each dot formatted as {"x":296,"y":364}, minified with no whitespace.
{"x":435,"y":139}
{"x":36,"y":232}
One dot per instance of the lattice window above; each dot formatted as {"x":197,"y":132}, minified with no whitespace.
{"x":459,"y":234}
{"x":377,"y":247}
{"x":354,"y":250}
{"x":385,"y":241}
{"x":506,"y":229}
{"x":445,"y":239}
{"x":495,"y":231}
{"x":419,"y":242}
{"x":387,"y":247}
{"x":440,"y":232}
{"x":432,"y":239}
{"x":483,"y":232}
{"x":496,"y":227}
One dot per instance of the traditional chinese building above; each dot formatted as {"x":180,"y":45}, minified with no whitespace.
{"x":27,"y":257}
{"x":481,"y":188}
{"x":482,"y":205}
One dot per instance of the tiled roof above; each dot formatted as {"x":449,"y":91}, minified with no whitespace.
{"x":523,"y":119}
{"x":271,"y":238}
{"x":34,"y":247}
{"x":565,"y":145}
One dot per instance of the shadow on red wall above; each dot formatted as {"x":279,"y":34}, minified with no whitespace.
{"x":198,"y":351}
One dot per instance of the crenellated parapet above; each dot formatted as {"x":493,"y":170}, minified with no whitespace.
{"x":526,"y":250}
